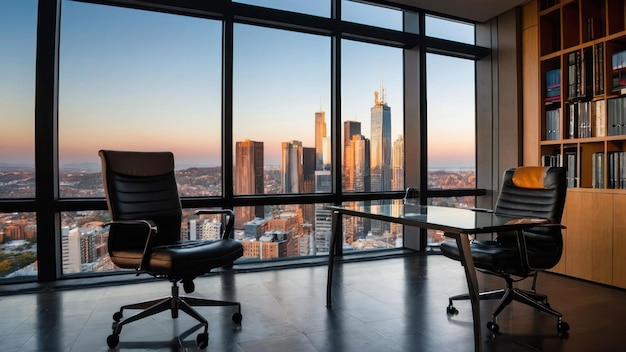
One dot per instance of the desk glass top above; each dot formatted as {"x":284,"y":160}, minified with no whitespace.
{"x":457,"y":220}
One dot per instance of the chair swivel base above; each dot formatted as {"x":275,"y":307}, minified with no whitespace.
{"x":506,"y":296}
{"x":174,"y":303}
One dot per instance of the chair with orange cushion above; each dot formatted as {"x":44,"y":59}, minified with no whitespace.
{"x":535,"y":194}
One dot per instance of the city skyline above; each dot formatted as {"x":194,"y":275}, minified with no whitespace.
{"x":151,"y":67}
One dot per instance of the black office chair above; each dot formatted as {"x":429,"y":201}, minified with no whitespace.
{"x":142,"y":196}
{"x":527,"y":192}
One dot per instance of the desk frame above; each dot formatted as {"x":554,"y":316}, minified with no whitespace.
{"x":460,"y":235}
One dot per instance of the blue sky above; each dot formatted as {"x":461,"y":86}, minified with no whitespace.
{"x":127,"y":73}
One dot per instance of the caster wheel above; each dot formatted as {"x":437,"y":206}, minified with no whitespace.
{"x":117,"y":316}
{"x":113,"y":340}
{"x":237,"y":317}
{"x":452,"y":310}
{"x":562,"y":328}
{"x":189,"y":286}
{"x":203,"y":340}
{"x":493,"y":327}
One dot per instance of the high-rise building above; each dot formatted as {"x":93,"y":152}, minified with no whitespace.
{"x":320,"y":133}
{"x":397,"y":164}
{"x":291,"y":167}
{"x":308,"y":181}
{"x":323,"y":222}
{"x":380,"y":144}
{"x":397,"y":180}
{"x":357,"y":174}
{"x":380,"y":152}
{"x":70,"y":248}
{"x":350,"y":128}
{"x":248,"y":178}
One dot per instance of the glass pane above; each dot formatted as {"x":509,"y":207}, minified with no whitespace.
{"x":18,"y":244}
{"x":372,"y":117}
{"x":373,"y":15}
{"x":136,"y":80}
{"x":451,"y":131}
{"x":18,"y":32}
{"x":451,"y":127}
{"x":281,"y":97}
{"x":368,"y":234}
{"x":317,"y":7}
{"x":281,"y":231}
{"x":449,"y":29}
{"x":84,"y":240}
{"x":305,"y":230}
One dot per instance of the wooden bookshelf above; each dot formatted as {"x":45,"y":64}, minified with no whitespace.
{"x":579,"y":47}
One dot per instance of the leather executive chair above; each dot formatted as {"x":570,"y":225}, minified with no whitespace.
{"x":144,"y":235}
{"x":527,"y":192}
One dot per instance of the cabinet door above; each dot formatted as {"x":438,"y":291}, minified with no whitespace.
{"x":619,"y":241}
{"x":589,"y":241}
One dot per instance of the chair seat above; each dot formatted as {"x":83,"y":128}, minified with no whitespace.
{"x":494,"y":256}
{"x":183,"y":257}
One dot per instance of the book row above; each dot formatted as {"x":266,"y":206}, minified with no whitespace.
{"x":583,"y":120}
{"x":614,"y":168}
{"x":585,"y":75}
{"x":609,"y":173}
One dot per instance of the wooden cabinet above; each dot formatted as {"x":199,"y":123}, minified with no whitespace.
{"x":574,"y":69}
{"x":619,"y":240}
{"x":589,"y":237}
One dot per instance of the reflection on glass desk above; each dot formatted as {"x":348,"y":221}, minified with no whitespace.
{"x":457,"y":220}
{"x":456,"y":223}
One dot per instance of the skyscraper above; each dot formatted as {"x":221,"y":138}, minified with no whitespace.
{"x":380,"y":152}
{"x":291,"y":167}
{"x":308,"y":181}
{"x":248,"y":178}
{"x":350,"y":128}
{"x":320,"y":133}
{"x":357,"y":164}
{"x":323,"y":223}
{"x":380,"y":143}
{"x":357,"y":156}
{"x":397,"y":164}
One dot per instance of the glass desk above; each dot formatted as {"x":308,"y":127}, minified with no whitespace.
{"x":456,"y":223}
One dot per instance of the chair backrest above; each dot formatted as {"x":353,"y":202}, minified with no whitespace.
{"x":142,"y":186}
{"x":535,"y":192}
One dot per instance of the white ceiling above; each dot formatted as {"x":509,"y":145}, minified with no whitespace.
{"x":473,"y":10}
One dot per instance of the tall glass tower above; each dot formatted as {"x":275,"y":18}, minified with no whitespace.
{"x":291,"y":167}
{"x":350,"y":128}
{"x":380,"y":152}
{"x":248,"y":178}
{"x":320,"y":133}
{"x":380,"y":144}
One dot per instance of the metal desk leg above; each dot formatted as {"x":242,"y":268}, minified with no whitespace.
{"x":462,"y":241}
{"x":332,"y":250}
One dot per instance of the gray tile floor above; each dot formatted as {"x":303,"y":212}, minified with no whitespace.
{"x":396,"y":304}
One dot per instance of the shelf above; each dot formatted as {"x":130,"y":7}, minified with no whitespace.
{"x":582,"y":53}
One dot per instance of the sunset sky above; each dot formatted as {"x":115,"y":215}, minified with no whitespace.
{"x":132,"y":79}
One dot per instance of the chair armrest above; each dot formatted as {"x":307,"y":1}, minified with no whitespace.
{"x":151,"y":232}
{"x":230,"y":220}
{"x":521,"y":239}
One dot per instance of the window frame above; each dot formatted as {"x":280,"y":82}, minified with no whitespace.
{"x":48,"y":205}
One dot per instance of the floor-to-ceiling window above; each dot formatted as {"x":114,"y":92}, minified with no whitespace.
{"x":451,"y":120}
{"x":273,"y":116}
{"x":18,"y":232}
